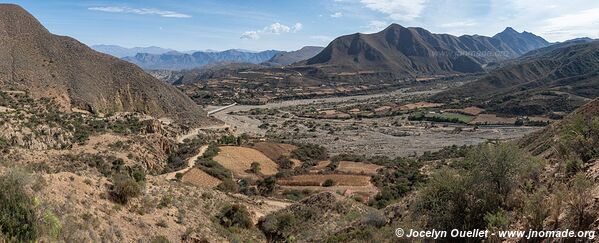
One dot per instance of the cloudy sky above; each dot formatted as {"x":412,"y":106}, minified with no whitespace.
{"x":291,"y":24}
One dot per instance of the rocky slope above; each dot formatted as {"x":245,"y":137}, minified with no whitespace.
{"x":75,"y":76}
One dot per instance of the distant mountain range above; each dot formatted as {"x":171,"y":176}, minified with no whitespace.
{"x":75,"y":76}
{"x":556,"y":78}
{"x":410,"y":52}
{"x":179,"y":61}
{"x":120,"y":52}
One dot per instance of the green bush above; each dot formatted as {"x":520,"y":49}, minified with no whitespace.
{"x":213,"y":168}
{"x":470,"y":195}
{"x":255,"y":167}
{"x":328,"y":183}
{"x":310,"y":152}
{"x":19,"y":217}
{"x":235,"y":216}
{"x":267,"y":186}
{"x":124,"y":187}
{"x":284,"y":163}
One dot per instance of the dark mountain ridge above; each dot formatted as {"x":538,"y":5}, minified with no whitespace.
{"x":418,"y":52}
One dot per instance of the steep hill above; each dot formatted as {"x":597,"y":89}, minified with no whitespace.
{"x":415,"y":51}
{"x":545,"y":142}
{"x":550,"y":79}
{"x":179,"y":61}
{"x":286,"y":58}
{"x":75,"y":76}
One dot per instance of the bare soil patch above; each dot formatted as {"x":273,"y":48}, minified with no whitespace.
{"x":274,"y":150}
{"x":200,"y":178}
{"x":358,"y":168}
{"x":419,"y":105}
{"x":239,"y":159}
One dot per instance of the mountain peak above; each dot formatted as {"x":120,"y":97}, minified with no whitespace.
{"x":510,"y":30}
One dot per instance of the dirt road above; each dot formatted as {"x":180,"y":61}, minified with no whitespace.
{"x":191,"y":162}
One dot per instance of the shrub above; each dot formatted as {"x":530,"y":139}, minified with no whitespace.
{"x":375,"y":219}
{"x":159,"y":239}
{"x":275,"y":226}
{"x":124,"y":188}
{"x":474,"y":194}
{"x":284,"y":163}
{"x":213,"y":168}
{"x":267,"y":186}
{"x":310,"y":152}
{"x":328,"y":183}
{"x":255,"y":167}
{"x":18,"y":214}
{"x":235,"y":215}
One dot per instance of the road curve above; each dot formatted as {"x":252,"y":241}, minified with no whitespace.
{"x":191,"y":162}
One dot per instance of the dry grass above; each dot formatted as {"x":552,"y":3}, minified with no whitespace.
{"x":317,"y":180}
{"x":358,"y":168}
{"x":274,"y":150}
{"x":239,"y":159}
{"x":200,"y":178}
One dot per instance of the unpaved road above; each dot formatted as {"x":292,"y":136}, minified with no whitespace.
{"x":191,"y":162}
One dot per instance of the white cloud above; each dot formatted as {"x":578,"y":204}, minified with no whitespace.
{"x":459,"y":24}
{"x":376,"y":26}
{"x":250,"y":35}
{"x":569,"y":26}
{"x":275,"y":28}
{"x":399,"y":10}
{"x":140,"y":11}
{"x":297,"y":27}
{"x":337,"y":15}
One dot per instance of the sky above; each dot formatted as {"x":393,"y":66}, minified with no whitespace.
{"x":291,"y":24}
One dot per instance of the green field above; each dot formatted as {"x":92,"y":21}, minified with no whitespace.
{"x":441,"y":117}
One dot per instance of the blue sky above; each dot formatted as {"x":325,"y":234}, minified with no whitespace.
{"x":291,"y":24}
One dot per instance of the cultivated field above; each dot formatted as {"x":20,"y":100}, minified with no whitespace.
{"x":274,"y":150}
{"x":239,"y":159}
{"x":200,"y":178}
{"x":358,"y":168}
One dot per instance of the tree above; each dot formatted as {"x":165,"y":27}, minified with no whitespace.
{"x":328,"y":183}
{"x":255,"y":167}
{"x":284,"y":163}
{"x":267,"y":186}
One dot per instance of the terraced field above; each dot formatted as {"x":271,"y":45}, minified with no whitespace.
{"x":239,"y":159}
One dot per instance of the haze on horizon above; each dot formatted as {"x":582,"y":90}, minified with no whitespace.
{"x":289,"y":25}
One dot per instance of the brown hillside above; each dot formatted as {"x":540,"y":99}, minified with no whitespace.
{"x":544,"y":142}
{"x":61,"y":68}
